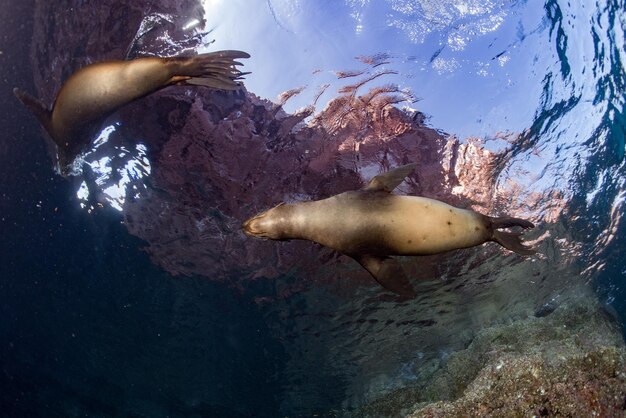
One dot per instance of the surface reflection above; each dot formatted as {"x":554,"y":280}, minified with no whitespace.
{"x":114,"y":177}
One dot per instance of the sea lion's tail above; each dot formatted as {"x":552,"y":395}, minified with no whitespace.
{"x":36,"y":106}
{"x":511,"y":240}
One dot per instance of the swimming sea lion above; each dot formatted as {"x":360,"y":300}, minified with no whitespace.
{"x":97,"y":90}
{"x":371,"y":224}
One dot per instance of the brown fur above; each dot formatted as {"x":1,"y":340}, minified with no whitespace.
{"x":372,"y":224}
{"x":97,"y":90}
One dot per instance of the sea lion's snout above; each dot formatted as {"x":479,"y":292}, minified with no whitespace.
{"x":250,"y":227}
{"x":257,"y":226}
{"x":266,"y":224}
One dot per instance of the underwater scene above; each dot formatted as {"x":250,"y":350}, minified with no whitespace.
{"x":292,"y":208}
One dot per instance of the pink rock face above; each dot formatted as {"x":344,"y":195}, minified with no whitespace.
{"x":227,"y":157}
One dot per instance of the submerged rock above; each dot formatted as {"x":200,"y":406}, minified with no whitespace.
{"x":218,"y":158}
{"x":569,"y":363}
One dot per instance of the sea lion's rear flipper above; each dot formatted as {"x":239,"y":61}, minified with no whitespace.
{"x":214,"y":83}
{"x":36,"y":106}
{"x":508,"y":222}
{"x":511,"y":240}
{"x":217,"y":70}
{"x":390,"y":180}
{"x":388,"y":273}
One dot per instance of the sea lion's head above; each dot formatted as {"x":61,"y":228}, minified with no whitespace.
{"x":274,"y":223}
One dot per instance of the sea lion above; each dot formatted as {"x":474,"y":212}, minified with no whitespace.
{"x":97,"y":90}
{"x":371,"y":224}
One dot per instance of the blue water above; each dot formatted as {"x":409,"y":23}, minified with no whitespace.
{"x":91,"y":326}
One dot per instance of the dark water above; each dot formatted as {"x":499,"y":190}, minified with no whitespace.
{"x":92,"y":327}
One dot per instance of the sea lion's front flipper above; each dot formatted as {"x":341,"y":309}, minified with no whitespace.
{"x":389,"y":273}
{"x":390,"y":180}
{"x":36,"y":106}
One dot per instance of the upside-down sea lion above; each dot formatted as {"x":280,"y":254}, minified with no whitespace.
{"x":372,"y":224}
{"x":97,"y":90}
